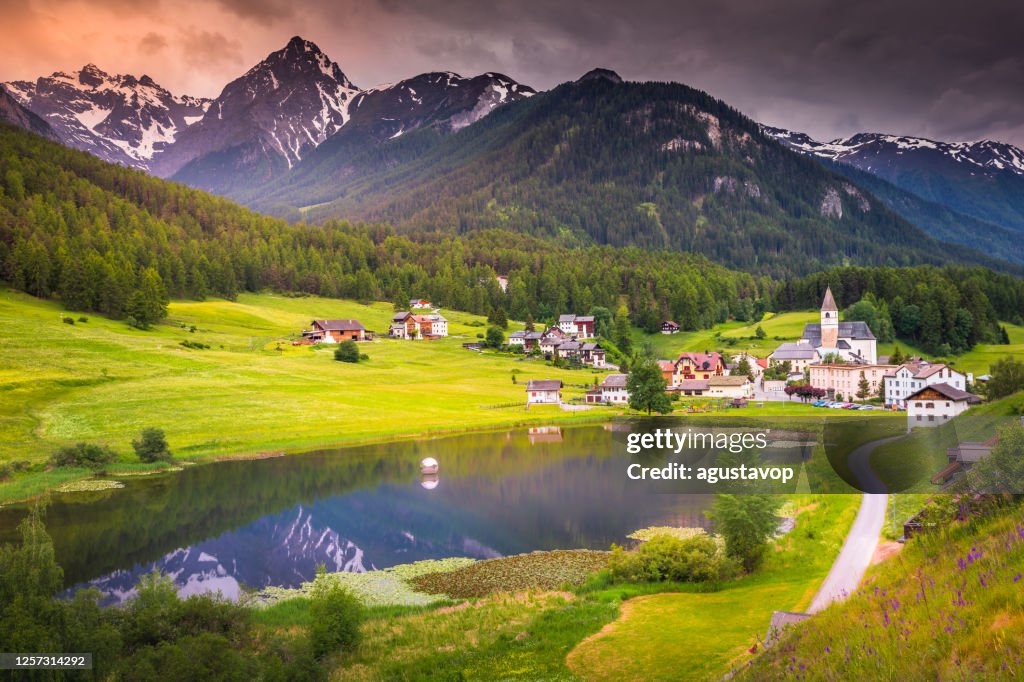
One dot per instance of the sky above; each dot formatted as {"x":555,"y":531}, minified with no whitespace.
{"x":945,"y":69}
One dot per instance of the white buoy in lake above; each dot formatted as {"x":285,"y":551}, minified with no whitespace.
{"x":428,"y":466}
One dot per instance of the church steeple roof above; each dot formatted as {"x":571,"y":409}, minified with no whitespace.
{"x":829,"y":303}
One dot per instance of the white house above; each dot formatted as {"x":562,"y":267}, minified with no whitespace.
{"x":911,"y":377}
{"x":577,"y":325}
{"x":543,"y":392}
{"x":937,"y":404}
{"x":730,"y":387}
{"x":613,"y":389}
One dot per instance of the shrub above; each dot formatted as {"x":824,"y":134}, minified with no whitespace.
{"x":663,"y":557}
{"x":347,"y":351}
{"x":67,"y":320}
{"x":335,"y":615}
{"x":5,"y":471}
{"x":197,"y":345}
{"x":83,"y":455}
{"x":151,"y":446}
{"x":83,"y":318}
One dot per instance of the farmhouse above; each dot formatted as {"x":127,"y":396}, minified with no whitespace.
{"x":691,"y":387}
{"x":419,"y":304}
{"x":669,"y":327}
{"x":525,"y":340}
{"x":911,"y":377}
{"x":844,"y":379}
{"x":543,"y":392}
{"x":592,"y":354}
{"x":937,"y":404}
{"x":334,"y":331}
{"x":581,"y":326}
{"x":406,"y":325}
{"x":698,"y":366}
{"x":613,"y":389}
{"x":730,"y":387}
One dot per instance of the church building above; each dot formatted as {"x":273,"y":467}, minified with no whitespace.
{"x":852,"y":341}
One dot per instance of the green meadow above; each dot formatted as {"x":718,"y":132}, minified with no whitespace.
{"x":251,"y":392}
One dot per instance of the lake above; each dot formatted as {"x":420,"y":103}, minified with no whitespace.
{"x":271,"y":522}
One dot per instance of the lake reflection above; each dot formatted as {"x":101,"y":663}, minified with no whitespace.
{"x":272,"y":522}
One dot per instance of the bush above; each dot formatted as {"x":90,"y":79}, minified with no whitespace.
{"x":83,"y":318}
{"x":697,"y":559}
{"x":347,"y":351}
{"x":151,"y":446}
{"x":335,"y":615}
{"x":197,"y":345}
{"x":5,"y":471}
{"x":67,"y":320}
{"x":83,"y":455}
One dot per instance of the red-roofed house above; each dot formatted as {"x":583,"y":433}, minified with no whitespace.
{"x":698,"y":366}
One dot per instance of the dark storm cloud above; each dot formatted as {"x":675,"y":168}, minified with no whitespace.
{"x":945,"y":69}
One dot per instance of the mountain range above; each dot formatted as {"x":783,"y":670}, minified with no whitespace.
{"x":982,"y":180}
{"x":598,"y":160}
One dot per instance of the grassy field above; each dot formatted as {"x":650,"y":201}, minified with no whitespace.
{"x":251,"y":392}
{"x":702,"y":636}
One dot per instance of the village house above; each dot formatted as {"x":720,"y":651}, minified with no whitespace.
{"x":406,"y":325}
{"x":419,"y":304}
{"x":799,"y":355}
{"x":911,"y":377}
{"x":691,"y":387}
{"x":844,"y":379}
{"x":550,"y":340}
{"x":613,"y":389}
{"x":669,"y":327}
{"x":757,"y":365}
{"x":581,"y":326}
{"x":668,"y":370}
{"x":937,"y":404}
{"x":334,"y":331}
{"x":592,"y":354}
{"x":730,"y":387}
{"x":568,"y":350}
{"x":543,"y":392}
{"x":525,"y":340}
{"x":852,"y":341}
{"x":698,"y":366}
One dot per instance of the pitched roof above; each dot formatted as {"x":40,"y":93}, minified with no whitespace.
{"x":858,"y":331}
{"x":517,"y":335}
{"x":614,"y":381}
{"x":829,"y":303}
{"x":701,"y":360}
{"x":954,"y":394}
{"x":693,"y":385}
{"x":591,"y":347}
{"x":339,"y":325}
{"x":794,"y":351}
{"x":400,"y":316}
{"x":569,"y":345}
{"x":544,"y":385}
{"x":728,"y":381}
{"x":669,"y":323}
{"x":667,"y":365}
{"x":929,"y":370}
{"x":566,"y":318}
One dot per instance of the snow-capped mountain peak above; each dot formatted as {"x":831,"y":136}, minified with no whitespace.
{"x":868,"y":149}
{"x":119,"y":118}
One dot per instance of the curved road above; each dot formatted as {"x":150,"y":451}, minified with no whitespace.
{"x":862,"y":539}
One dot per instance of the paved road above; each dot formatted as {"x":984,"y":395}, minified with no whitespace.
{"x":862,"y":539}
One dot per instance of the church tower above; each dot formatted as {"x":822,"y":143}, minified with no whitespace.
{"x":829,"y":321}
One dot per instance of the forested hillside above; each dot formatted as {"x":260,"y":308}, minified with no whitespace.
{"x":656,"y":165}
{"x":110,"y":239}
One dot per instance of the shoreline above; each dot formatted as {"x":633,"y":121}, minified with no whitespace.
{"x":559,"y":418}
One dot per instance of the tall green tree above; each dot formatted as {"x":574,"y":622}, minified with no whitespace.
{"x":1007,"y":378}
{"x":747,"y":522}
{"x":646,"y":387}
{"x":148,"y":304}
{"x":622,"y":332}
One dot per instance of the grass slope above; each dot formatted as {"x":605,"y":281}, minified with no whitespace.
{"x":952,"y":600}
{"x":699,"y":636}
{"x":101,"y":381}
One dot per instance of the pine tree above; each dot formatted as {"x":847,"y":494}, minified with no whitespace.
{"x":148,"y":304}
{"x":622,"y":333}
{"x":863,"y":387}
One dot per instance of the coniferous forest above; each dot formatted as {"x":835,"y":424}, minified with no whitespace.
{"x":116,"y":241}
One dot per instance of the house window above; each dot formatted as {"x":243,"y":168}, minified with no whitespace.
{"x":930,"y":406}
{"x":931,"y":417}
{"x":918,"y":417}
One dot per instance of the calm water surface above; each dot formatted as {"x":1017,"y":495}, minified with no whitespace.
{"x":272,"y":522}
